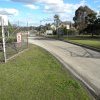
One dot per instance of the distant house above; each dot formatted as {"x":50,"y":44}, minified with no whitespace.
{"x":62,"y":26}
{"x":49,"y":32}
{"x":53,"y":27}
{"x":66,"y":24}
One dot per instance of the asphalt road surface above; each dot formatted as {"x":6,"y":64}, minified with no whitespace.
{"x":81,"y":62}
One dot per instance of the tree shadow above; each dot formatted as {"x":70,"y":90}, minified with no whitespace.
{"x":82,"y":52}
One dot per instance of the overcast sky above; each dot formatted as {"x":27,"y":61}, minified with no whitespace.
{"x":34,"y":11}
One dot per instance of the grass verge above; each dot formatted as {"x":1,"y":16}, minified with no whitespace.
{"x":88,"y":41}
{"x":92,"y":43}
{"x":37,"y":75}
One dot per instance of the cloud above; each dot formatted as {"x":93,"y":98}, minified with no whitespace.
{"x":53,"y":6}
{"x":39,"y":1}
{"x":83,"y":2}
{"x":66,"y":10}
{"x":51,"y":1}
{"x":96,"y":1}
{"x":32,"y":6}
{"x":6,"y":11}
{"x":62,"y":7}
{"x":24,"y":1}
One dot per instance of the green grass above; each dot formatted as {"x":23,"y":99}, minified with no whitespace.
{"x":11,"y":49}
{"x":92,"y":43}
{"x":1,"y":56}
{"x":37,"y":75}
{"x":82,"y":39}
{"x":85,"y":40}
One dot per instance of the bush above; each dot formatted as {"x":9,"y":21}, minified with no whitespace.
{"x":0,"y":39}
{"x":54,"y":32}
{"x":9,"y":40}
{"x":12,"y":39}
{"x":70,"y":32}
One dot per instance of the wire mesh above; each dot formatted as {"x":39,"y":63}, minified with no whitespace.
{"x":12,"y":45}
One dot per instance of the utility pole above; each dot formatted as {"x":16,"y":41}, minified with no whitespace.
{"x":3,"y":39}
{"x":27,"y":34}
{"x":40,"y":27}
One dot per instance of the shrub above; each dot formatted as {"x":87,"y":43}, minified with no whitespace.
{"x":9,"y":40}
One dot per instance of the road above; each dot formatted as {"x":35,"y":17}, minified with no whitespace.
{"x":81,"y":62}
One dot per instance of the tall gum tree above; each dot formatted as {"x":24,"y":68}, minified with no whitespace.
{"x":84,"y":16}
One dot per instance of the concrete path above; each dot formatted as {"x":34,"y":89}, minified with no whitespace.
{"x":81,"y":62}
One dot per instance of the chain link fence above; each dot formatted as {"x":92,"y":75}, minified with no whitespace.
{"x":14,"y":43}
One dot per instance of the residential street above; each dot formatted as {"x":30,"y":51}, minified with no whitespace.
{"x":81,"y":62}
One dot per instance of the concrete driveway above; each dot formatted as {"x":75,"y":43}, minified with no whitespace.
{"x":81,"y":62}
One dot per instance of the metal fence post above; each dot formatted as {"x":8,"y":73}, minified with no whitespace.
{"x":3,"y":39}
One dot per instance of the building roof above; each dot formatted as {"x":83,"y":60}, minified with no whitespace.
{"x":66,"y":22}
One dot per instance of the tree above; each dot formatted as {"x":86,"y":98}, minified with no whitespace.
{"x":97,"y":21}
{"x":48,"y":26}
{"x":10,"y":28}
{"x":93,"y":24}
{"x":90,"y":18}
{"x":57,"y":22}
{"x":83,"y":17}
